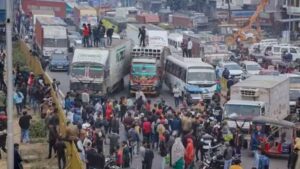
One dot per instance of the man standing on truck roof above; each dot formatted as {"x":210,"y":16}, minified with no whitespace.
{"x":184,"y":48}
{"x":189,"y":48}
{"x":109,"y":34}
{"x":101,"y":33}
{"x":85,"y":33}
{"x":96,"y":34}
{"x":142,"y":36}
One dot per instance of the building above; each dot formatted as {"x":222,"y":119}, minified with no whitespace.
{"x":58,"y":6}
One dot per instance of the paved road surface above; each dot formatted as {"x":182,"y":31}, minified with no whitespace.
{"x":247,"y":159}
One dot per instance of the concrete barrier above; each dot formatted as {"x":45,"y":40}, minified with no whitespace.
{"x":73,"y":158}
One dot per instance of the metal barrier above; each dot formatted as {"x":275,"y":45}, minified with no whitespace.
{"x":73,"y":159}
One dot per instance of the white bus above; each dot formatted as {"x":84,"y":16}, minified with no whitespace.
{"x":195,"y":78}
{"x":175,"y":40}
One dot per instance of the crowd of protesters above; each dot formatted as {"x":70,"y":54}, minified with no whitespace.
{"x":139,"y":127}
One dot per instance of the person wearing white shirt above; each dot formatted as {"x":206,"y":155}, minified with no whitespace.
{"x":189,"y":48}
{"x":177,"y":94}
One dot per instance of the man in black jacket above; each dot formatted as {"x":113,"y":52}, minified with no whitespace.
{"x":60,"y":147}
{"x":17,"y":157}
{"x":142,"y":36}
{"x":94,"y":160}
{"x":109,"y":34}
{"x":24,"y":123}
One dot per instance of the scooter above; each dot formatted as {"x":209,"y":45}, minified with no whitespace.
{"x":110,"y":163}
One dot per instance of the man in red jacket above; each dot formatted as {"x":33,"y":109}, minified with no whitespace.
{"x":85,"y":33}
{"x":146,"y":130}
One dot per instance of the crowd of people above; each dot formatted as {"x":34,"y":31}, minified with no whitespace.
{"x":95,"y":36}
{"x":137,"y":126}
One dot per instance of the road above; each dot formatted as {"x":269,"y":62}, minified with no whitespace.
{"x":247,"y":159}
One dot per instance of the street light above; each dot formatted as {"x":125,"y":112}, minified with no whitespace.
{"x":9,"y":108}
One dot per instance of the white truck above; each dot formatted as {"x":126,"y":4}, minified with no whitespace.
{"x":50,"y":36}
{"x":257,"y":96}
{"x":100,"y":71}
{"x":154,"y":34}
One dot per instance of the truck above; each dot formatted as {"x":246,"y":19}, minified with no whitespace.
{"x":100,"y":72}
{"x":146,"y":71}
{"x":50,"y":36}
{"x":132,"y":32}
{"x":258,"y":95}
{"x":85,"y":14}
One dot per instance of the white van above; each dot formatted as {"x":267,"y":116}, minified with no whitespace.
{"x":277,"y":51}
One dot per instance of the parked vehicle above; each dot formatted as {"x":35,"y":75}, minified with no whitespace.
{"x":234,"y":69}
{"x":276,"y":137}
{"x":250,"y":68}
{"x":75,"y":39}
{"x":277,"y":51}
{"x":215,"y":53}
{"x":147,"y":69}
{"x":59,"y":62}
{"x":258,"y":96}
{"x":50,"y":37}
{"x":294,"y":90}
{"x":100,"y":71}
{"x":195,"y":78}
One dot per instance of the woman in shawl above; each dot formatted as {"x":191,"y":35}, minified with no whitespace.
{"x":189,"y":154}
{"x":177,"y":154}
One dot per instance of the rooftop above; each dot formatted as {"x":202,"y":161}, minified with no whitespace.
{"x":54,"y":21}
{"x":259,"y":81}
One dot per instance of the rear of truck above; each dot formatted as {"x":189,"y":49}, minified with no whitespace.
{"x":258,"y":96}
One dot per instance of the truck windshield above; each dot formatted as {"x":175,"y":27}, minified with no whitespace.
{"x":55,"y":42}
{"x":96,"y":71}
{"x":198,"y":75}
{"x":242,"y":110}
{"x":294,"y":95}
{"x":78,"y":71}
{"x":253,"y":67}
{"x":143,"y":69}
{"x":295,"y":80}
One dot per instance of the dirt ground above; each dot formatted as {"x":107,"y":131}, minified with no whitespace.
{"x":34,"y":154}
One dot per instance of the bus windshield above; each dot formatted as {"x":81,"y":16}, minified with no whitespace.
{"x":200,"y":76}
{"x":96,"y":72}
{"x":78,"y":71}
{"x":242,"y":110}
{"x":141,"y":69}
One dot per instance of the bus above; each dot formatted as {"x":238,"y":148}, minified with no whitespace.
{"x":175,"y":40}
{"x":195,"y":78}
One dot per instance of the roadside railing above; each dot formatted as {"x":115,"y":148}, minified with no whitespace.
{"x":73,"y":159}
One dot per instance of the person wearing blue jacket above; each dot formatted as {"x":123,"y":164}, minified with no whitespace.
{"x":18,"y":99}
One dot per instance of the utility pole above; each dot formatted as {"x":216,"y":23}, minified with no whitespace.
{"x":9,"y":108}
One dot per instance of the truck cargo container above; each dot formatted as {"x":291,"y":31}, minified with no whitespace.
{"x":258,"y":95}
{"x":100,"y":71}
{"x":85,"y":14}
{"x":50,"y":36}
{"x":58,"y":6}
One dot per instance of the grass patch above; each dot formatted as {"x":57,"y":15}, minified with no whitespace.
{"x":19,"y":58}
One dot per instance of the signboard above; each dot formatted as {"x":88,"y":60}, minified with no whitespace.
{"x":158,"y":38}
{"x":242,"y":14}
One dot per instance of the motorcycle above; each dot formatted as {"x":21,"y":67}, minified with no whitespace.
{"x":110,"y":163}
{"x":213,"y":159}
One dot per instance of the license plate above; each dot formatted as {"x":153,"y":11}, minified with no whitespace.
{"x":59,"y":67}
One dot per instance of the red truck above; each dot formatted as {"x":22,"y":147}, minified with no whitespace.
{"x":58,"y":6}
{"x":50,"y":36}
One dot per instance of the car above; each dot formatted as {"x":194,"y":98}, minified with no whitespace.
{"x":250,"y":68}
{"x":59,"y":62}
{"x":234,"y":69}
{"x":75,"y":39}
